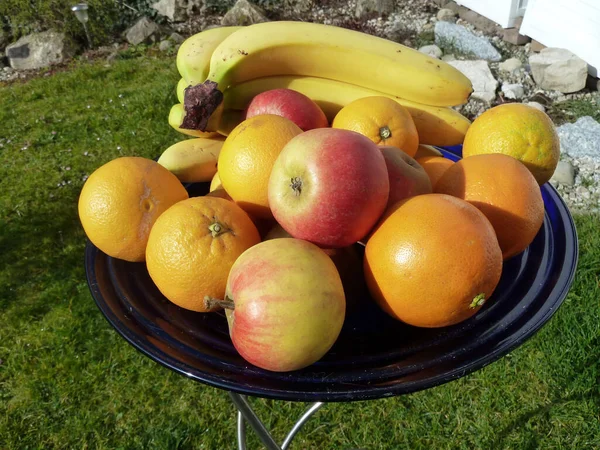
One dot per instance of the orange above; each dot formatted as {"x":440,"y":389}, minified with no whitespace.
{"x":382,"y":120}
{"x":505,"y":191}
{"x":435,"y":166}
{"x":121,"y":200}
{"x":516,"y":130}
{"x":247,"y":157}
{"x":192,"y":247}
{"x":433,"y":262}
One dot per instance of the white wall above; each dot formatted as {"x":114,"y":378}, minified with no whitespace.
{"x":503,"y":12}
{"x":570,"y":24}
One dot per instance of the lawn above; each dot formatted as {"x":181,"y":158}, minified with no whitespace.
{"x":68,"y":380}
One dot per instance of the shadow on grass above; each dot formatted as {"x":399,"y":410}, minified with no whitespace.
{"x":522,"y":420}
{"x":39,"y":251}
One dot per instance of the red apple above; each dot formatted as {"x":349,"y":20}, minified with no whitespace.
{"x":288,"y":304}
{"x":329,"y":186}
{"x":290,"y":104}
{"x":407,"y":177}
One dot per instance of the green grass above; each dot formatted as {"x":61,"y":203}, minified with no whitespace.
{"x":68,"y":380}
{"x":571,"y":110}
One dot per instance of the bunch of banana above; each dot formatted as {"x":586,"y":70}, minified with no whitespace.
{"x":331,"y":65}
{"x":193,"y":160}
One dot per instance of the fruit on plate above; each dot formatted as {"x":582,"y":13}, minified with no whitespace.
{"x":193,"y":246}
{"x":382,"y":120}
{"x":247,"y":157}
{"x":181,"y":85}
{"x":193,"y":160}
{"x":289,"y":104}
{"x":288,"y":304}
{"x":435,"y":167}
{"x":427,"y":150}
{"x":121,"y":200}
{"x":215,"y":183}
{"x":407,"y":177}
{"x":194,"y":54}
{"x":304,"y":48}
{"x":221,"y":193}
{"x":176,"y":115}
{"x":433,"y":261}
{"x":309,"y":49}
{"x":329,"y":187}
{"x":436,"y":125}
{"x":505,"y":191}
{"x":520,"y":131}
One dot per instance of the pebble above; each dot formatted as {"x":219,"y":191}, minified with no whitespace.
{"x":431,"y":50}
{"x":511,"y":65}
{"x":446,"y":15}
{"x":537,"y":105}
{"x":564,"y":173}
{"x":513,"y":91}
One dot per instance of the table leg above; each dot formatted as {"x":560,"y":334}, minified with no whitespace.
{"x":245,"y":412}
{"x":300,"y":423}
{"x":241,"y":432}
{"x":244,"y":408}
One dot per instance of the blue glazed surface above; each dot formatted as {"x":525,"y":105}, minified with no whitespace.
{"x":375,"y":356}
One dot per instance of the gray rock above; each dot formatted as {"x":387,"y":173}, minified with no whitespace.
{"x":177,"y":38}
{"x":557,"y":69}
{"x":298,"y":7}
{"x":381,"y":7}
{"x":449,"y":57}
{"x":513,"y":91}
{"x":244,"y":13}
{"x":165,"y":45}
{"x":38,"y":50}
{"x":144,"y":30}
{"x":431,"y":50}
{"x":511,"y":65}
{"x":581,"y":138}
{"x":446,"y":15}
{"x":458,"y":37}
{"x":564,"y":173}
{"x":174,"y":10}
{"x":537,"y":105}
{"x":484,"y":83}
{"x":177,"y":10}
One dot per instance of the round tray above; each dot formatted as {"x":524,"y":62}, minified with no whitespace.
{"x":374,"y":356}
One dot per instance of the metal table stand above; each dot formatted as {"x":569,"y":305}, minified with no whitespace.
{"x":247,"y":414}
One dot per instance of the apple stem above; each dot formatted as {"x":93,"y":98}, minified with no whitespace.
{"x":296,"y":185}
{"x":210,"y":303}
{"x":385,"y":132}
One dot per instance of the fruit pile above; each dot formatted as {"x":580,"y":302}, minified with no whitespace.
{"x":314,"y":140}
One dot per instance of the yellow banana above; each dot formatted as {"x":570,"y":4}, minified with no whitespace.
{"x":193,"y":56}
{"x":193,"y":160}
{"x":176,"y":117}
{"x":325,"y":51}
{"x":181,"y":85}
{"x":436,"y":125}
{"x":228,"y":120}
{"x":427,"y":150}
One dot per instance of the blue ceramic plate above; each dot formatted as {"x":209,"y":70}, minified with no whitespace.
{"x":375,"y":356}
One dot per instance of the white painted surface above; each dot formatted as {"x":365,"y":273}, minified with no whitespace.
{"x":570,"y":24}
{"x":503,"y":12}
